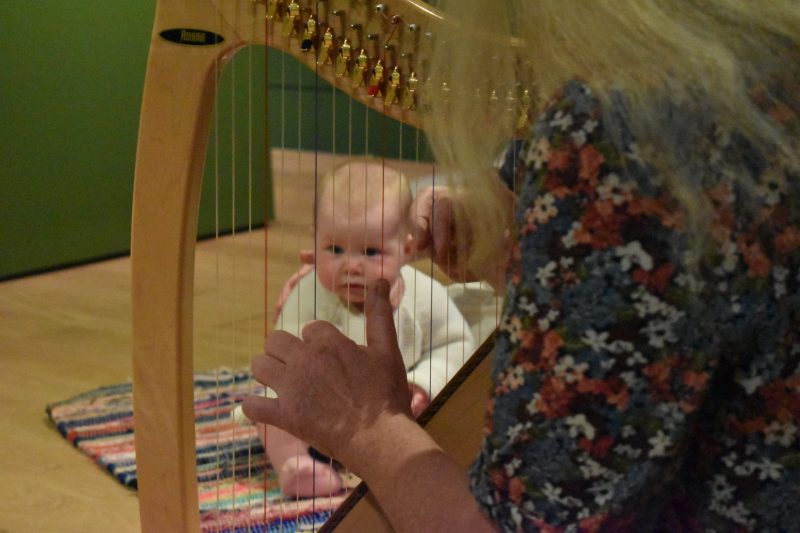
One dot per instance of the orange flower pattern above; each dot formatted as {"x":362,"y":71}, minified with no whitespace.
{"x":642,"y":381}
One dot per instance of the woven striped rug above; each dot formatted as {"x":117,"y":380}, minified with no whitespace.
{"x":238,"y":491}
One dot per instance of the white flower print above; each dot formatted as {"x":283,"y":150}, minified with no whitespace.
{"x":596,"y":341}
{"x":516,"y":515}
{"x":628,"y":431}
{"x":659,"y":333}
{"x":773,"y":186}
{"x":529,"y":307}
{"x":659,"y":444}
{"x":625,"y":450}
{"x":579,"y":425}
{"x":511,"y":467}
{"x":633,"y":153}
{"x":613,"y":189}
{"x":545,"y":323}
{"x":568,"y":240}
{"x":591,"y":468}
{"x":690,"y":282}
{"x":730,"y":256}
{"x":531,"y":407}
{"x":783,"y":434}
{"x":620,"y":346}
{"x":538,"y":153}
{"x":544,"y":208}
{"x":745,"y":469}
{"x":631,"y":379}
{"x":579,"y":138}
{"x":751,"y":384}
{"x":647,"y":304}
{"x":608,"y":364}
{"x":566,"y":367}
{"x":636,"y":358}
{"x":736,"y":307}
{"x":511,"y":325}
{"x":780,"y":273}
{"x":769,"y":470}
{"x":602,"y":493}
{"x":544,"y":273}
{"x":633,"y":254}
{"x":515,"y":430}
{"x":730,"y":459}
{"x":738,"y":513}
{"x":721,"y":490}
{"x":561,"y":120}
{"x":514,"y":378}
{"x":553,"y":494}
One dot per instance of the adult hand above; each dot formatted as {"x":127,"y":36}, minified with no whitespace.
{"x":331,"y":391}
{"x":433,"y":216}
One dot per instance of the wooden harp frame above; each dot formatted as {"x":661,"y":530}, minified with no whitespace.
{"x":179,"y":94}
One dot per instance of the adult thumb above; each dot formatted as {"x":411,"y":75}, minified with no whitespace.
{"x":380,"y":318}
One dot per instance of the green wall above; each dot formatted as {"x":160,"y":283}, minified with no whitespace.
{"x":70,"y":94}
{"x":72,"y":74}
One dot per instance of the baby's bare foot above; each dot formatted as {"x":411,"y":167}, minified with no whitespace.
{"x":304,"y":477}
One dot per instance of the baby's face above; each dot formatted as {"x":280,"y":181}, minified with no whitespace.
{"x":354,"y":252}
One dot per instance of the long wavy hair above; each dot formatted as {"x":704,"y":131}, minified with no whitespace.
{"x":686,"y":51}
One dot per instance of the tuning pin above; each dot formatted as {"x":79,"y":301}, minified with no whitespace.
{"x":360,"y":69}
{"x":292,"y":15}
{"x":409,"y":96}
{"x":272,"y":9}
{"x":343,"y":60}
{"x":376,"y":80}
{"x":325,"y":48}
{"x":524,"y":120}
{"x":510,"y":115}
{"x":392,"y":89}
{"x":308,"y":36}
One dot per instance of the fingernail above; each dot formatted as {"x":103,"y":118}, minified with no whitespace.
{"x":381,"y":287}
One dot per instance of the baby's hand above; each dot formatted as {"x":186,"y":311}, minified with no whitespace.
{"x":419,"y":399}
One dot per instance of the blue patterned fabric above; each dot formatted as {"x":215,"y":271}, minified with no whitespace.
{"x":638,"y":388}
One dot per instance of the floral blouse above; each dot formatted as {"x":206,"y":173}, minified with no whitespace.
{"x":637,"y":389}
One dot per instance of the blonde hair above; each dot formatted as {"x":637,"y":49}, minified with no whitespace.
{"x":692,"y":53}
{"x":362,"y":184}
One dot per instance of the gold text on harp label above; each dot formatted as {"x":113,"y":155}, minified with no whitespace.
{"x":191,"y":37}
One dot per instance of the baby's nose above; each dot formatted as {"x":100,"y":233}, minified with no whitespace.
{"x":354,"y":264}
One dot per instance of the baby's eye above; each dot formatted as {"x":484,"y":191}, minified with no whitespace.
{"x":372,"y":252}
{"x":334,"y":249}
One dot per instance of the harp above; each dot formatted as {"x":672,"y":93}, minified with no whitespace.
{"x":190,"y":40}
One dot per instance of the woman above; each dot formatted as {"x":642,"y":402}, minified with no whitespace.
{"x":648,"y":364}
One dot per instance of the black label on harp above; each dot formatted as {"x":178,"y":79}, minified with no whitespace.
{"x":191,"y":37}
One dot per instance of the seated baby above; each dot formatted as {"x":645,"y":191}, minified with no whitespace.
{"x":362,"y":234}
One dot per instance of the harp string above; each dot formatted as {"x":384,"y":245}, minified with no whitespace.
{"x":302,"y":109}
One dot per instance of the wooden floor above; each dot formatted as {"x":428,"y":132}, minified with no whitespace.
{"x":67,"y":332}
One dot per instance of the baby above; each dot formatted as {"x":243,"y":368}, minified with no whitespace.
{"x":362,"y":234}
